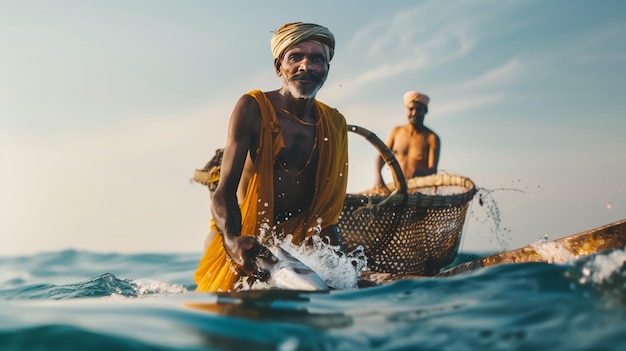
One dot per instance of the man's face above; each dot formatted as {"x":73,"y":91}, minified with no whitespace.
{"x":415,"y":112}
{"x":304,"y":69}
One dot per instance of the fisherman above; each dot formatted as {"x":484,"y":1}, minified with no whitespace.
{"x":415,"y":146}
{"x":284,"y":167}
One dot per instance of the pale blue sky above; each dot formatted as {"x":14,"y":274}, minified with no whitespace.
{"x":107,"y":107}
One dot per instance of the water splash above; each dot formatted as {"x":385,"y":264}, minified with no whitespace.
{"x":148,"y":287}
{"x":606,"y":274}
{"x":338,"y":269}
{"x":491,"y":213}
{"x":552,"y":251}
{"x":603,"y":268}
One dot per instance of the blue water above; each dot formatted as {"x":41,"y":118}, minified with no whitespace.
{"x":74,"y":300}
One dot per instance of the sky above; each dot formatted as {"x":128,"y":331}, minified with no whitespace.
{"x":108,"y":107}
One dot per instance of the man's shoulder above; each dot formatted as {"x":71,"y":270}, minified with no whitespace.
{"x":332,"y":112}
{"x":405,"y":128}
{"x":260,"y":100}
{"x":255,"y":95}
{"x":247,"y":103}
{"x":431,"y":135}
{"x":430,"y":131}
{"x":424,"y":130}
{"x":325,"y":107}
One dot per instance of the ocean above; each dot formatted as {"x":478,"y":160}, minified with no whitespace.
{"x":78,"y":300}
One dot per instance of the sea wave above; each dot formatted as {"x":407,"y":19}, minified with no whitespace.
{"x":75,"y":300}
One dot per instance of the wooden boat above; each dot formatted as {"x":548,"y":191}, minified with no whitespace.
{"x":609,"y":237}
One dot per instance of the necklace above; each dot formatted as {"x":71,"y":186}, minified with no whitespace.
{"x":283,"y":164}
{"x":298,"y":119}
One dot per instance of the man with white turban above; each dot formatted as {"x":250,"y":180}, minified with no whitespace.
{"x":415,"y":146}
{"x":284,"y":167}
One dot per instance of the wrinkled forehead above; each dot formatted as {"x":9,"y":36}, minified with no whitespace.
{"x":309,"y":46}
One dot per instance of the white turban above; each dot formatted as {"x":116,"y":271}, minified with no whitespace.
{"x":415,"y":96}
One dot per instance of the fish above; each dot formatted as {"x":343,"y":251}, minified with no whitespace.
{"x":288,"y":273}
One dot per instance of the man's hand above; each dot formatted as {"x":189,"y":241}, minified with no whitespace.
{"x":244,"y":251}
{"x":332,"y":235}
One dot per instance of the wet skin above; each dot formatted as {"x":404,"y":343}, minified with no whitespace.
{"x":303,"y":69}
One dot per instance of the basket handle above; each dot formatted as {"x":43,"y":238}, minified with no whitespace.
{"x":387,"y":155}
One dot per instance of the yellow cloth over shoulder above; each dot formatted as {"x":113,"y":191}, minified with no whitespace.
{"x":215,"y":272}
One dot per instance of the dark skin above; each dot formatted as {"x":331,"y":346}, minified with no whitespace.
{"x":414,"y":145}
{"x":303,"y":69}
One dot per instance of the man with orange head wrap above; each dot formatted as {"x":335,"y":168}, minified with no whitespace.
{"x":284,"y":165}
{"x":414,"y":145}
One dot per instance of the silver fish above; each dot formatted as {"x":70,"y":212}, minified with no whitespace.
{"x":291,"y":274}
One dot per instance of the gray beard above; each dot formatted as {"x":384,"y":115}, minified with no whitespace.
{"x":299,"y":93}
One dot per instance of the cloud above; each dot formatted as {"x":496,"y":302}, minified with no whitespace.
{"x":445,"y":46}
{"x":412,"y":40}
{"x":452,"y":107}
{"x":602,"y":45}
{"x":389,"y":70}
{"x":601,"y":57}
{"x":423,"y":39}
{"x":502,"y":75}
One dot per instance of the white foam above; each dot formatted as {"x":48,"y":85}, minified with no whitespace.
{"x":553,"y":252}
{"x":149,"y":287}
{"x":338,"y":270}
{"x":601,"y":267}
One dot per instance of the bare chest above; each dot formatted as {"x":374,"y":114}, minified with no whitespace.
{"x":300,"y":151}
{"x":410,"y":144}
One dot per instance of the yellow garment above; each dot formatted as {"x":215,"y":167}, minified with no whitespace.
{"x":214,"y":176}
{"x":215,"y":273}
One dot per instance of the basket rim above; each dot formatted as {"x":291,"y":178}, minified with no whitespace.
{"x":420,"y":199}
{"x":403,"y":190}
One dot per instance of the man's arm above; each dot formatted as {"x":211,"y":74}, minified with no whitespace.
{"x":243,"y":250}
{"x":433,"y":157}
{"x":434,"y":145}
{"x":379,"y":184}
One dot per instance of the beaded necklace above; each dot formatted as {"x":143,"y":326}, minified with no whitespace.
{"x":298,"y":119}
{"x":296,"y":174}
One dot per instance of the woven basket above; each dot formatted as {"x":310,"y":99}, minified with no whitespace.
{"x":210,"y":174}
{"x":415,"y":230}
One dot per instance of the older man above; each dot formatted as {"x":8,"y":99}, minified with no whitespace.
{"x":285,"y":163}
{"x":415,"y":146}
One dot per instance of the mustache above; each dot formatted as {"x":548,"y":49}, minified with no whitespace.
{"x":306,"y":76}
